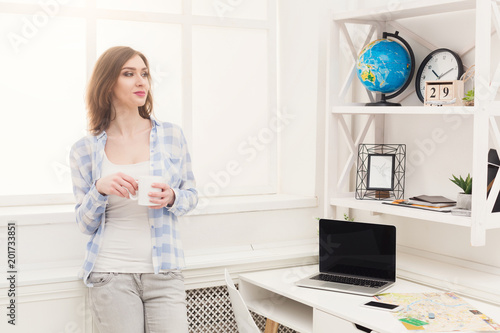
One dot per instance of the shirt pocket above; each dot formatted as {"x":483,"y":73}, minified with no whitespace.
{"x":172,"y":170}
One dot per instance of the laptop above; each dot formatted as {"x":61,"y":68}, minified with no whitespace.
{"x":354,"y":257}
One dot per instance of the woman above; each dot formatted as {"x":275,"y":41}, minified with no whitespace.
{"x":134,"y":255}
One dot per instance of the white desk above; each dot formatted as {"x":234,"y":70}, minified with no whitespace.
{"x":274,"y":295}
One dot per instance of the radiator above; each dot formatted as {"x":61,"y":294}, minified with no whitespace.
{"x":209,"y":311}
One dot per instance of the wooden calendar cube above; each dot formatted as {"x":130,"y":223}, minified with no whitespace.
{"x":444,"y":93}
{"x":432,"y":92}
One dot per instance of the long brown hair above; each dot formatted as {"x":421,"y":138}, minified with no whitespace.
{"x":99,"y":90}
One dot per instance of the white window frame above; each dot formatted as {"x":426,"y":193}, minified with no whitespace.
{"x":91,"y":14}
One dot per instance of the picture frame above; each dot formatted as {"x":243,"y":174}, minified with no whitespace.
{"x":380,"y":172}
{"x":493,"y":166}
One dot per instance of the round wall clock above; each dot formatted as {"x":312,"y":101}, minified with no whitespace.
{"x":441,"y":64}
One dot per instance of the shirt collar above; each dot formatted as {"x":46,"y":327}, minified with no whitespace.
{"x":154,"y":122}
{"x":101,"y":136}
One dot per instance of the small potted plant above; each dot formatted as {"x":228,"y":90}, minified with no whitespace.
{"x":469,"y":98}
{"x":464,"y":199}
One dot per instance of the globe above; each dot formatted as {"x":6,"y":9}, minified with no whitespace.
{"x":384,"y":66}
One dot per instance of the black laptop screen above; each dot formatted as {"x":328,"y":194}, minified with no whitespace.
{"x":361,"y":249}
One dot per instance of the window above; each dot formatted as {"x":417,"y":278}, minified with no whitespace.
{"x":214,"y":72}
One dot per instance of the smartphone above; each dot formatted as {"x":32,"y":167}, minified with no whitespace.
{"x":383,"y":306}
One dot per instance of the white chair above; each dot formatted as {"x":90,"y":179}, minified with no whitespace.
{"x":243,"y":317}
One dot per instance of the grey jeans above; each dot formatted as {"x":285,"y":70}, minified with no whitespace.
{"x":138,"y":303}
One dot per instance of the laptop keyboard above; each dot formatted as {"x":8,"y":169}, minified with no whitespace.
{"x":349,"y":280}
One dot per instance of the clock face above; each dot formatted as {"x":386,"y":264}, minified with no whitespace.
{"x":439,"y":65}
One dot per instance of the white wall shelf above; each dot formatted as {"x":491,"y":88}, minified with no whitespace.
{"x":370,"y":124}
{"x":403,"y":110}
{"x":378,"y":207}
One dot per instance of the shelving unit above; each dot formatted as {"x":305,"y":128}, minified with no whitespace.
{"x":341,"y":111}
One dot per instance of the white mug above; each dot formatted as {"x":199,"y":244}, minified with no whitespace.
{"x":144,"y":184}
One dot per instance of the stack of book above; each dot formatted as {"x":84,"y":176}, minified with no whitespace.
{"x":436,"y":203}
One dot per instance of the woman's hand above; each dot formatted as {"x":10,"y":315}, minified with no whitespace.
{"x":164,"y":198}
{"x":118,"y":184}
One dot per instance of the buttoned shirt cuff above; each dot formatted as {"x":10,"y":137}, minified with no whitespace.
{"x":101,"y":199}
{"x":176,"y":200}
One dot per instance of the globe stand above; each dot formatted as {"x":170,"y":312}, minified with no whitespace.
{"x":384,"y":98}
{"x":383,"y":102}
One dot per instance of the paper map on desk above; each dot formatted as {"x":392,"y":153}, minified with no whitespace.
{"x":438,"y":312}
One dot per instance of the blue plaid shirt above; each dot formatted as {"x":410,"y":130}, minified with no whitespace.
{"x":169,"y":157}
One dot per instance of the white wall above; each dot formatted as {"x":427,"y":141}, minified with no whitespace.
{"x":298,"y":59}
{"x":211,"y":232}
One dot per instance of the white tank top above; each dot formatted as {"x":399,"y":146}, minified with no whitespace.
{"x":126,"y":245}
